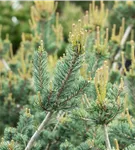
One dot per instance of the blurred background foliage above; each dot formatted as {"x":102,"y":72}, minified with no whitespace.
{"x":14,"y":17}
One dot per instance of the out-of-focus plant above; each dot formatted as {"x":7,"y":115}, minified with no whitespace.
{"x":96,"y":16}
{"x":122,"y":10}
{"x":70,"y":14}
{"x":16,"y":21}
{"x":45,"y":25}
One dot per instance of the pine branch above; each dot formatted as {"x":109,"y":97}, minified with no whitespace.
{"x":107,"y":141}
{"x":68,"y":75}
{"x":66,"y":79}
{"x":65,"y":76}
{"x":60,"y":114}
{"x":38,"y":131}
{"x":76,"y":93}
{"x":40,"y":71}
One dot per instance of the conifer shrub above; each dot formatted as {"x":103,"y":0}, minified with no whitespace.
{"x":83,"y":100}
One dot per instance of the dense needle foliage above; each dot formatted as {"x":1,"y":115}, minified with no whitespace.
{"x":70,"y":86}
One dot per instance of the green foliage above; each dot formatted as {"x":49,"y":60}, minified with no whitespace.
{"x":14,"y":94}
{"x":12,"y":27}
{"x":40,"y":71}
{"x":77,"y":101}
{"x":57,"y":96}
{"x":122,"y":10}
{"x":70,"y":14}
